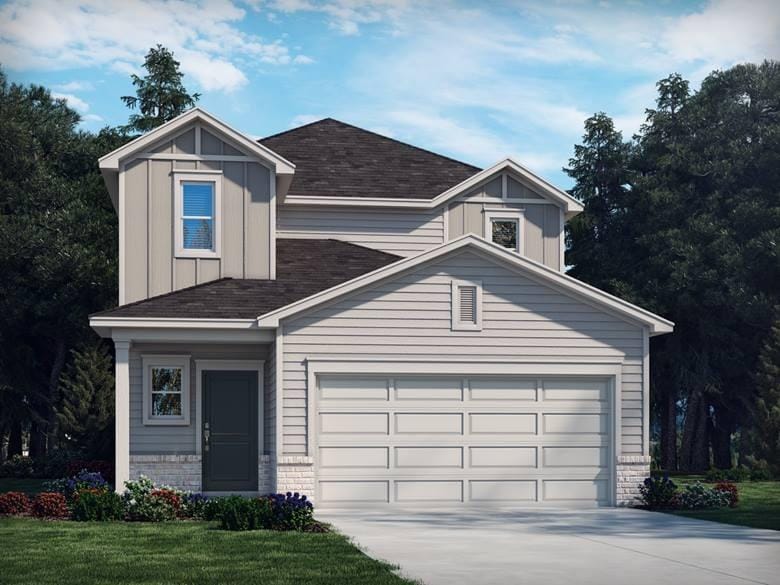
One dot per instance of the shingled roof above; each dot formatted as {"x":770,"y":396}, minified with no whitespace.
{"x":334,"y":159}
{"x":303,"y":268}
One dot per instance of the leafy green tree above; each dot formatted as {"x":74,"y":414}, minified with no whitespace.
{"x":766,"y":433}
{"x":86,"y":406}
{"x":58,"y":246}
{"x":160,"y":94}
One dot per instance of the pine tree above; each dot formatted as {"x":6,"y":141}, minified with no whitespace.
{"x":86,"y":409}
{"x":160,"y":95}
{"x":766,"y":433}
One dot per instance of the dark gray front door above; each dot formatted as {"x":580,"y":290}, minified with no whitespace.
{"x":229,"y":434}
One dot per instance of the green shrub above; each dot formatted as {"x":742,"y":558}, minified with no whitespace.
{"x":92,"y":504}
{"x":697,"y":496}
{"x":658,"y":492}
{"x":715,"y":475}
{"x":17,"y":466}
{"x":237,"y":513}
{"x":761,"y":474}
{"x":735,"y":474}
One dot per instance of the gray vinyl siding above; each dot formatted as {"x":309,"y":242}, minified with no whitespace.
{"x":541,"y":229}
{"x":176,"y":440}
{"x":397,"y":231}
{"x":269,"y":404}
{"x":409,"y":316}
{"x":150,"y":266}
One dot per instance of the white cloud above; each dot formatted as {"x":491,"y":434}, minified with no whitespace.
{"x":91,"y":118}
{"x":726,"y":32}
{"x":74,"y":102}
{"x":75,"y":86}
{"x":61,"y":34}
{"x":347,"y":16}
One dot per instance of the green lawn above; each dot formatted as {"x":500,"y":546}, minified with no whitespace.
{"x":64,"y":553}
{"x":759,"y":505}
{"x":27,"y":485}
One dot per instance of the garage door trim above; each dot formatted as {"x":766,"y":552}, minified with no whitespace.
{"x":609,"y":369}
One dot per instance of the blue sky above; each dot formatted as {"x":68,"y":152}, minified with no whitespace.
{"x":474,"y":80}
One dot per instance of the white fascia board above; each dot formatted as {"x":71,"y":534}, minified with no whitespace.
{"x":657,"y":325}
{"x":112,"y":159}
{"x":569,"y":204}
{"x":172,"y":323}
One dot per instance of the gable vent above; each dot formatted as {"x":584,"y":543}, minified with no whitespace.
{"x":468,"y":304}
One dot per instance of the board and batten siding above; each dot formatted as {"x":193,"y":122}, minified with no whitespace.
{"x":397,"y":231}
{"x":541,"y":229}
{"x":180,"y":439}
{"x":409,"y":316}
{"x":150,"y":267}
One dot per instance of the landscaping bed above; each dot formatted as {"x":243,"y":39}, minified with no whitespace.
{"x":85,"y":553}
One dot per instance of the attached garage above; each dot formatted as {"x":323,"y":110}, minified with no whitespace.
{"x":454,"y":440}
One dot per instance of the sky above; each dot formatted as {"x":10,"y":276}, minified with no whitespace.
{"x":477,"y":81}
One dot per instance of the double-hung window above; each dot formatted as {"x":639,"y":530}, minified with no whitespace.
{"x":198,"y":202}
{"x":166,"y":391}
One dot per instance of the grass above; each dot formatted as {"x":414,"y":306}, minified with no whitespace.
{"x":27,"y":485}
{"x":65,"y":553}
{"x":759,"y":505}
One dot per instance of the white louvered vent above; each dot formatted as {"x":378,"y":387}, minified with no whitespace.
{"x":468,"y":304}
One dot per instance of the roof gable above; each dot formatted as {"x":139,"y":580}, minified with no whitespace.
{"x":335,"y":159}
{"x":111,"y":161}
{"x":533,"y":270}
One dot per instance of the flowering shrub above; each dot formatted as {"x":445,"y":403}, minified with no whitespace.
{"x":82,"y":480}
{"x":195,"y":506}
{"x":658,"y":492}
{"x":275,"y":512}
{"x":99,"y":504}
{"x":104,"y":468}
{"x":17,"y":466}
{"x":731,"y":490}
{"x":12,"y":503}
{"x":146,"y":503}
{"x":697,"y":496}
{"x":50,"y":505}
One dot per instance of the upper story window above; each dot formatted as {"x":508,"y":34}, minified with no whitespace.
{"x":504,"y":227}
{"x":166,"y":390}
{"x":198,"y":204}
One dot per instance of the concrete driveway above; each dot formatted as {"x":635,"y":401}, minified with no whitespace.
{"x":543,"y":546}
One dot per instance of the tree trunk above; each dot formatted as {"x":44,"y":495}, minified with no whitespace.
{"x":721,"y":437}
{"x":37,"y":440}
{"x":15,"y":439}
{"x":694,"y":451}
{"x":60,"y":354}
{"x":669,"y":431}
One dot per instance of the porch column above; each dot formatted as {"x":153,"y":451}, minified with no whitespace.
{"x":122,"y":414}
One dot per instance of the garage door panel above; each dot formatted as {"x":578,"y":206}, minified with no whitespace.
{"x":429,"y":457}
{"x":575,"y":457}
{"x":511,"y":389}
{"x":353,"y":389}
{"x":576,"y":390}
{"x":334,"y":492}
{"x":502,"y":423}
{"x":575,"y":490}
{"x":503,"y":457}
{"x":575,"y":424}
{"x":502,"y":491}
{"x":430,"y":423}
{"x":428,"y":491}
{"x":354,"y":457}
{"x":340,"y":423}
{"x":428,"y":389}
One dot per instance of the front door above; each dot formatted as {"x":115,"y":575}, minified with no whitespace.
{"x":229,"y":433}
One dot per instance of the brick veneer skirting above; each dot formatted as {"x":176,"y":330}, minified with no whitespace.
{"x":295,"y":474}
{"x":631,"y":471}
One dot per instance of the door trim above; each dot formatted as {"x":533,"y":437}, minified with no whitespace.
{"x":228,"y":365}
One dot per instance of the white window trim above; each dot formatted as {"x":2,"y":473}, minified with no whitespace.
{"x":197,"y":177}
{"x":456,"y":323}
{"x":503,"y":214}
{"x":166,"y":361}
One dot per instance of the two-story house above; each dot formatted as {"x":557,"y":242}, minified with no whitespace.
{"x":331,"y":311}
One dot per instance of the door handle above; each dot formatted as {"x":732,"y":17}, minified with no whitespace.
{"x":206,"y":434}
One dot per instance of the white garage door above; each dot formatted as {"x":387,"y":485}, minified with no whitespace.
{"x":454,"y":440}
